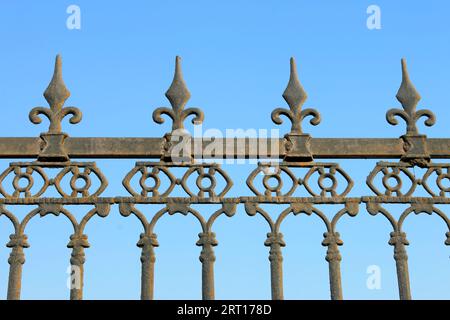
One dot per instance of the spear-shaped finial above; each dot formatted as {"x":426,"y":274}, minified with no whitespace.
{"x":295,"y":96}
{"x":178,"y":95}
{"x":408,"y":96}
{"x":56,"y":95}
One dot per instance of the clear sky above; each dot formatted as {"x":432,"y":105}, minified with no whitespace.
{"x":118,"y":66}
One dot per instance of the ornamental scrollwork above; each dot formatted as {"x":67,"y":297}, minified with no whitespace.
{"x":276,"y":242}
{"x":274,"y":176}
{"x":56,"y":95}
{"x":408,"y":96}
{"x":197,"y":180}
{"x":78,"y":174}
{"x":178,"y":95}
{"x":295,"y":96}
{"x":399,"y":179}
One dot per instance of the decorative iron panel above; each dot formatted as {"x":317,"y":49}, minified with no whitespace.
{"x":277,"y":182}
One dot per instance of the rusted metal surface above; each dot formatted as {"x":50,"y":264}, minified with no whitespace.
{"x":299,"y":181}
{"x":150,"y":148}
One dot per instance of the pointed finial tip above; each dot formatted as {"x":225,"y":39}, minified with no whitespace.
{"x":178,"y":94}
{"x":56,"y":92}
{"x":294,"y":74}
{"x":404,"y":68}
{"x":294,"y":94}
{"x":178,"y":75}
{"x":58,"y":63}
{"x":58,"y":59}
{"x":407,"y":93}
{"x":405,"y":73}
{"x":177,"y":65}
{"x":293,"y":64}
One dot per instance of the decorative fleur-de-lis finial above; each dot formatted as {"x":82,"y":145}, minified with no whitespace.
{"x":56,"y":94}
{"x":295,"y":97}
{"x":408,"y":96}
{"x":178,"y":95}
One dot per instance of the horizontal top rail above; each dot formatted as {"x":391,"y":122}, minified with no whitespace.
{"x":232,"y":148}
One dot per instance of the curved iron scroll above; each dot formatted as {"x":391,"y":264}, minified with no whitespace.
{"x":399,"y":241}
{"x":331,"y":240}
{"x":153,"y":172}
{"x":148,"y":241}
{"x":325,"y":171}
{"x":75,"y":171}
{"x":78,"y":242}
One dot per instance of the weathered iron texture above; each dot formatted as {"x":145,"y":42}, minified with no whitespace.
{"x":319,"y":183}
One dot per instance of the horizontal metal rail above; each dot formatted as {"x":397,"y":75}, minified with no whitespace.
{"x":151,"y":148}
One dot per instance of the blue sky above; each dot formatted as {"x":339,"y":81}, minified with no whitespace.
{"x":236,"y":65}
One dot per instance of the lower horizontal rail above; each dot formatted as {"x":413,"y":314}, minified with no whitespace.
{"x":217,"y":200}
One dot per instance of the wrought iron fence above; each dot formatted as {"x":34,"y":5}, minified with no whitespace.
{"x":296,"y":151}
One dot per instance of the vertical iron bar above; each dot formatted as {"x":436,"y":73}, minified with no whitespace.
{"x":78,"y":242}
{"x":399,"y":241}
{"x":276,"y":272}
{"x":148,"y":259}
{"x":401,"y":262}
{"x":16,"y":261}
{"x":77,"y":273}
{"x":332,"y":241}
{"x":275,"y":241}
{"x":207,"y":258}
{"x":147,"y":242}
{"x":403,"y":278}
{"x":334,"y":266}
